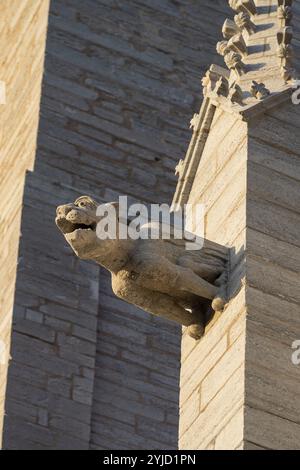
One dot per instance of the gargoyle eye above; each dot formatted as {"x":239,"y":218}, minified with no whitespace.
{"x":82,"y":204}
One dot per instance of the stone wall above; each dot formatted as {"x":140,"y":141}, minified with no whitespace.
{"x":23,"y":33}
{"x":212,"y":370}
{"x":121,"y":85}
{"x":122,"y":82}
{"x":239,"y":384}
{"x":272,"y":399}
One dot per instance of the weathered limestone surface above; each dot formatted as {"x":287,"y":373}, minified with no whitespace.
{"x":239,"y":386}
{"x":122,"y":80}
{"x":272,"y":418}
{"x":161,"y":276}
{"x":212,"y":371}
{"x":260,"y":220}
{"x":23,"y":33}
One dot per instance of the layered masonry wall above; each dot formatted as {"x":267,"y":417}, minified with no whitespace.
{"x":122,"y":81}
{"x":23,"y":33}
{"x":272,"y":416}
{"x":212,"y":369}
{"x":239,"y":385}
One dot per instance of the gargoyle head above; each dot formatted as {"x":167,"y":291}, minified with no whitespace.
{"x":78,"y":223}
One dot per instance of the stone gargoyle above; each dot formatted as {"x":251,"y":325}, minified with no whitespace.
{"x":159,"y":276}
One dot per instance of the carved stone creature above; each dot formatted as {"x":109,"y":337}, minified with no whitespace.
{"x":160,"y":276}
{"x":246,"y":6}
{"x":259,"y":90}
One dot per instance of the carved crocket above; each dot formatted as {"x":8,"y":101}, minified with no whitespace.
{"x":159,"y":276}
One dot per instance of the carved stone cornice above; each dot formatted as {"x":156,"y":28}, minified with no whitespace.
{"x":265,"y":101}
{"x":189,"y":166}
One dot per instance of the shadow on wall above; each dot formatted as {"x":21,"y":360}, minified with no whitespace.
{"x":89,"y":371}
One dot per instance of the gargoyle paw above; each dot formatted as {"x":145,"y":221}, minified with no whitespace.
{"x":196,"y":331}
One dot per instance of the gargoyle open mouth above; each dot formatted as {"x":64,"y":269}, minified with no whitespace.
{"x":68,"y":227}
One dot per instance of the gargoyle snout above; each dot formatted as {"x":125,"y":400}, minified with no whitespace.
{"x":62,"y":211}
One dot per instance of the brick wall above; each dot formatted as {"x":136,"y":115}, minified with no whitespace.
{"x":122,"y":82}
{"x":23,"y":33}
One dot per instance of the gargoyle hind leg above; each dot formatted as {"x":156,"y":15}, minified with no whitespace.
{"x":191,"y":282}
{"x":202,"y":269}
{"x":165,"y":306}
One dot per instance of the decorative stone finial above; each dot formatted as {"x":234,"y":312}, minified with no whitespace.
{"x":285,"y":13}
{"x":230,"y":29}
{"x":243,"y":6}
{"x":236,"y":43}
{"x":285,"y":51}
{"x":243,"y":22}
{"x":259,"y":90}
{"x":284,"y":38}
{"x":158,"y":275}
{"x":288,"y":74}
{"x":180,"y":168}
{"x":222,"y":87}
{"x":232,"y":59}
{"x":285,"y":3}
{"x":194,"y":121}
{"x":211,"y":78}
